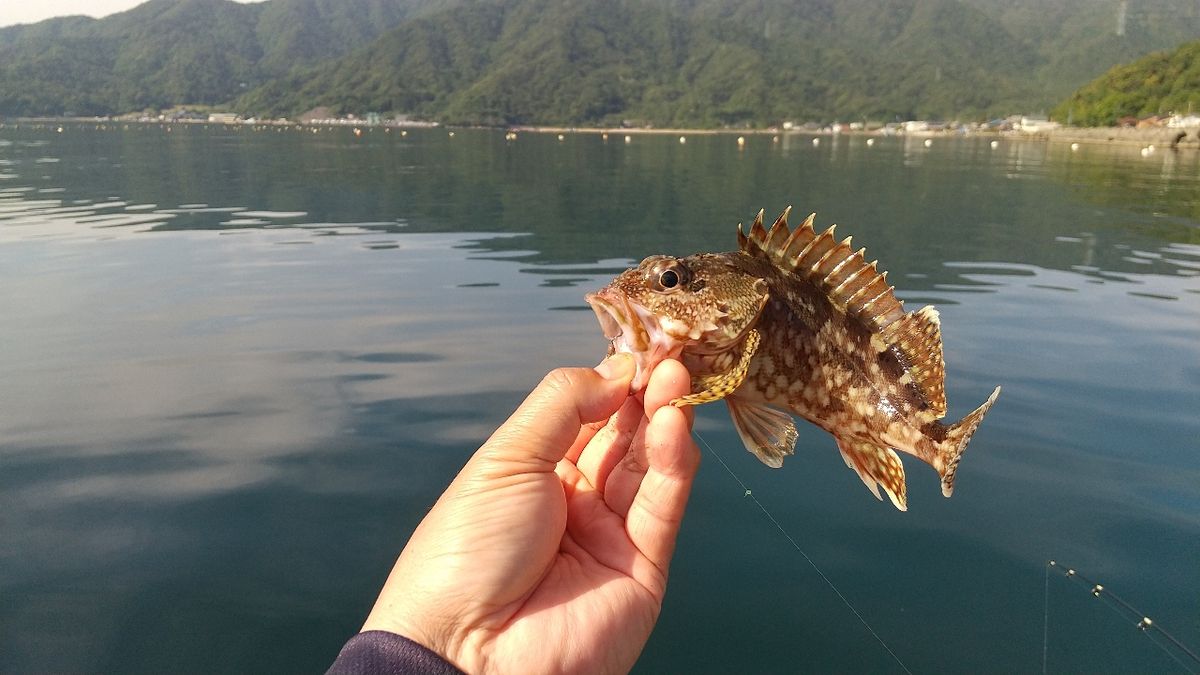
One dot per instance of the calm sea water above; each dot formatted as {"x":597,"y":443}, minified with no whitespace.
{"x":237,"y":366}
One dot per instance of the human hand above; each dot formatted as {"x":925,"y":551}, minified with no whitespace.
{"x":549,"y":550}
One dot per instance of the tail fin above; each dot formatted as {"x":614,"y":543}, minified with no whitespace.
{"x":957,"y":437}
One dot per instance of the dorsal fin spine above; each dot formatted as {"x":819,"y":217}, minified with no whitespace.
{"x":757,"y":233}
{"x":782,"y":219}
{"x":794,"y":244}
{"x":815,"y":250}
{"x":777,"y":236}
{"x":875,"y":282}
{"x":838,"y":267}
{"x":845,"y":283}
{"x":866,"y":305}
{"x":804,"y":251}
{"x":817,"y":265}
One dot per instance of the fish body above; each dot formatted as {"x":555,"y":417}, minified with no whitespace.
{"x":796,"y":323}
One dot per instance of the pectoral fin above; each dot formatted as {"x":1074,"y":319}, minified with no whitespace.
{"x":768,"y":433}
{"x":877,"y":466}
{"x":716,"y":387}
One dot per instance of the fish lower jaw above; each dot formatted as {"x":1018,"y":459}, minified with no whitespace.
{"x":634,"y":330}
{"x":658,"y":349}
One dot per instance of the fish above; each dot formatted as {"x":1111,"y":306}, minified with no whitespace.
{"x":796,"y":323}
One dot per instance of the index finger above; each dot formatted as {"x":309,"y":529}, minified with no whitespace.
{"x":547,"y":423}
{"x":669,"y":381}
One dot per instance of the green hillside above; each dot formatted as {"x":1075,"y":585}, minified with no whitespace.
{"x":686,"y":62}
{"x":1074,"y":41}
{"x":1160,"y":83}
{"x":152,"y":56}
{"x":170,"y":52}
{"x":593,"y":61}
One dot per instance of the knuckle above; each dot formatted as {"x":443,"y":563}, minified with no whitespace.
{"x":560,"y":381}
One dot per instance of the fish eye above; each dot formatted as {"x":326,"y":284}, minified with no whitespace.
{"x":669,"y":275}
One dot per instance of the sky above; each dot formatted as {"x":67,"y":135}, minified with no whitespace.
{"x":32,"y":11}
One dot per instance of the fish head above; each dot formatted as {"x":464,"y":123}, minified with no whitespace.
{"x":701,"y":304}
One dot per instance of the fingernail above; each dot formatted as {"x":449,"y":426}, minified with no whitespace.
{"x":617,"y":367}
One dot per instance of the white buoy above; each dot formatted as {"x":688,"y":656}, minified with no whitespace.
{"x":451,"y":134}
{"x":682,"y":140}
{"x":604,"y":136}
{"x":870,"y":142}
{"x":741,"y":141}
{"x":404,"y":132}
{"x":928,"y":142}
{"x":1145,"y":152}
{"x":561,"y":137}
{"x":816,"y":142}
{"x":774,"y":139}
{"x":1074,"y":147}
{"x":995,"y":144}
{"x":628,"y":139}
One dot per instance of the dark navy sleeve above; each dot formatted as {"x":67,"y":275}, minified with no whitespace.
{"x":377,"y":652}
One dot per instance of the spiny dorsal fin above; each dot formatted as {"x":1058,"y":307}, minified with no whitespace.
{"x":843,"y":274}
{"x":919,"y":336}
{"x":859,"y":289}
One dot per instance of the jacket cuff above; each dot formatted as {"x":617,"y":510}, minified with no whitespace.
{"x":378,"y":652}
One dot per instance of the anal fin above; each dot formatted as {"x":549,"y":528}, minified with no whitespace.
{"x":877,"y":466}
{"x":768,"y":433}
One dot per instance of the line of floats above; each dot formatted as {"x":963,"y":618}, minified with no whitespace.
{"x":510,"y":135}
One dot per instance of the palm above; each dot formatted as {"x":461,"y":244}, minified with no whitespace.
{"x":598,"y":590}
{"x":549,"y":552}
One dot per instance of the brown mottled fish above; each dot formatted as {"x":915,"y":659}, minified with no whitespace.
{"x":796,"y":323}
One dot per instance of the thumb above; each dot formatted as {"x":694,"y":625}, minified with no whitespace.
{"x":546,"y":424}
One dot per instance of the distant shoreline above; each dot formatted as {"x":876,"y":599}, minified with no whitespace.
{"x":1164,"y":137}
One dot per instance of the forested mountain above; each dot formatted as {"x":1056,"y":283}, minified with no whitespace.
{"x":169,"y":52}
{"x":1161,"y":83}
{"x":1074,"y":41}
{"x":547,"y":61}
{"x":694,"y":62}
{"x":303,"y":32}
{"x":157,"y":54}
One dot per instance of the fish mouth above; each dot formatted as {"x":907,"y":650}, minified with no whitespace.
{"x":611,"y":321}
{"x":622,"y":324}
{"x":633,"y":330}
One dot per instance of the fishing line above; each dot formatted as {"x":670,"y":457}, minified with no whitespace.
{"x":1125,"y":611}
{"x":1045,"y":617}
{"x":790,"y":538}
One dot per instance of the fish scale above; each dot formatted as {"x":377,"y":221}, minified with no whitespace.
{"x":797,"y":323}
